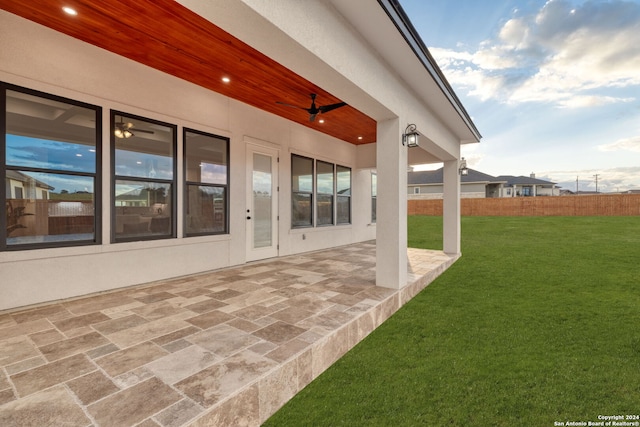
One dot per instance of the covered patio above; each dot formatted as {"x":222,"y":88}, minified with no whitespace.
{"x":226,"y":347}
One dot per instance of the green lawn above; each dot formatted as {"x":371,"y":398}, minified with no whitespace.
{"x":537,"y":323}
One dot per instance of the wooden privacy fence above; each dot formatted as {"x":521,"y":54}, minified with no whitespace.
{"x":592,"y":205}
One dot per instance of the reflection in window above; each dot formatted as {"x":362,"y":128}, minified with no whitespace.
{"x":144,"y":178}
{"x":142,"y":208}
{"x":46,"y":154}
{"x":374,"y":196}
{"x":206,"y":207}
{"x":325,"y":189}
{"x":52,"y":148}
{"x":207,"y":180}
{"x":302,"y":191}
{"x":343,"y":196}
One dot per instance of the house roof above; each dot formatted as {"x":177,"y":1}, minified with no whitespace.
{"x":436,"y":177}
{"x":19,"y":176}
{"x":523,"y":180}
{"x":161,"y":34}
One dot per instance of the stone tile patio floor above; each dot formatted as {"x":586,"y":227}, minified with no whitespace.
{"x":227,"y":347}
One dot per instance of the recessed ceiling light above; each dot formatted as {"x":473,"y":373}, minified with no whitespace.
{"x":321,"y":121}
{"x":359,"y":138}
{"x":226,"y":79}
{"x":69,"y":11}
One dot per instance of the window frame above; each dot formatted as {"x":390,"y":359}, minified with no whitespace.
{"x":114,"y":178}
{"x":347,"y":196}
{"x":96,"y":175}
{"x":311,"y":193}
{"x":314,"y":194}
{"x":333,"y":220}
{"x":187,"y":183}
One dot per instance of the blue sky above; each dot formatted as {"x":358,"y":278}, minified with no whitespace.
{"x":553,"y":86}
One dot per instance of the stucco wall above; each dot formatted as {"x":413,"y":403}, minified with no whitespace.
{"x":38,"y":58}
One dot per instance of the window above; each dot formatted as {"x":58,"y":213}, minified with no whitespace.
{"x":329,"y":184}
{"x":302,"y":191}
{"x":50,"y":163}
{"x":144,"y":170}
{"x":343,"y":190}
{"x":374,"y":196}
{"x":325,"y":187}
{"x":416,"y":190}
{"x":206,"y":159}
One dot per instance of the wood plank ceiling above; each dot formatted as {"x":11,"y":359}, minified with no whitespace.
{"x":165,"y":35}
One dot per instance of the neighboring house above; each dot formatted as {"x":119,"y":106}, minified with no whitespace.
{"x":24,"y":194}
{"x":522,"y":186}
{"x":20,"y":185}
{"x":173,"y":120}
{"x":428,"y":185}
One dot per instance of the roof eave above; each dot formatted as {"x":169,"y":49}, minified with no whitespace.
{"x":402,"y":22}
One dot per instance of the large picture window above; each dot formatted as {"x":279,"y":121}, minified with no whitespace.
{"x":144,"y":171}
{"x":327,"y":184}
{"x":50,"y":157}
{"x":206,"y":159}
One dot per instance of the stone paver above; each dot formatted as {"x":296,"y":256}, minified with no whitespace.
{"x":229,"y":346}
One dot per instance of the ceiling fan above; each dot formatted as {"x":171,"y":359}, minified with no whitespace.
{"x":125,"y":130}
{"x":315,"y":110}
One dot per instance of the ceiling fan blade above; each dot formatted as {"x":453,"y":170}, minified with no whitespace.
{"x":290,"y":105}
{"x":314,"y":110}
{"x":142,"y":130}
{"x":326,"y":108}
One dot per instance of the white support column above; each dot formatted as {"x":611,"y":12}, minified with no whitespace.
{"x":451,"y":208}
{"x":391,"y":224}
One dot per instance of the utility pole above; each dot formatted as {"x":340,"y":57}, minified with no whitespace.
{"x":596,"y":177}
{"x":577,"y":185}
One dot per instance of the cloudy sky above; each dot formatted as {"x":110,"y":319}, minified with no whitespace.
{"x":553,"y":86}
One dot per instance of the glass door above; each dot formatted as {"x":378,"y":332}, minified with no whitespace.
{"x":262,"y":203}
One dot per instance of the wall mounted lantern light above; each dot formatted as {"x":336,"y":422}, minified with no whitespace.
{"x":464,"y":171}
{"x":410,"y":136}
